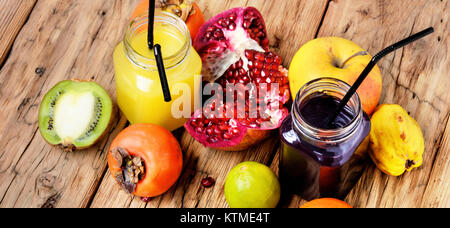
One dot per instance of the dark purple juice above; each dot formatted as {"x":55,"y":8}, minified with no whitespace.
{"x":319,"y":109}
{"x":318,"y":157}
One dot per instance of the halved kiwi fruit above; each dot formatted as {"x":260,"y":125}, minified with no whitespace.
{"x":75,"y":114}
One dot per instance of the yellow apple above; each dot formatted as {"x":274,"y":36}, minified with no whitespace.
{"x":339,"y":58}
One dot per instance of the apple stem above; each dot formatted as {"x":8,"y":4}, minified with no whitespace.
{"x":361,"y":53}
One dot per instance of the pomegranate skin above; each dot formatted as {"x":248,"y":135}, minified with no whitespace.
{"x":250,"y":139}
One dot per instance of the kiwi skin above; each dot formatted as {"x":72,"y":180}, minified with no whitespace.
{"x":71,"y":148}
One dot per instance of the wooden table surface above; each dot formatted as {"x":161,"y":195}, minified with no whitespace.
{"x":75,"y":39}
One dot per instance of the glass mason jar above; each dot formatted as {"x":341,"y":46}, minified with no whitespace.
{"x":139,"y":92}
{"x":320,"y":161}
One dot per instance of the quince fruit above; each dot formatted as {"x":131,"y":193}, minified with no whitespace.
{"x":396,"y":140}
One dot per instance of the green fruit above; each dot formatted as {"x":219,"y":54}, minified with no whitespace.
{"x":252,"y":185}
{"x":74,"y":114}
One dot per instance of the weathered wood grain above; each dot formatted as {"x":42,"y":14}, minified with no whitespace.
{"x":13,"y":15}
{"x":75,"y":39}
{"x":415,"y":77}
{"x":304,"y":18}
{"x":69,"y":39}
{"x":437,"y":190}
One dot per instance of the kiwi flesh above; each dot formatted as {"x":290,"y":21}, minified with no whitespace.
{"x":75,"y":114}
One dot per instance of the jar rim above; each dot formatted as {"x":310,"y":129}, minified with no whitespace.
{"x":319,"y":134}
{"x":150,"y":63}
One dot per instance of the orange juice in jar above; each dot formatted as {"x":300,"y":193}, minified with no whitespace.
{"x":139,"y":92}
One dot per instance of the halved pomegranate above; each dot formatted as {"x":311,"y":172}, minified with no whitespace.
{"x":235,"y":52}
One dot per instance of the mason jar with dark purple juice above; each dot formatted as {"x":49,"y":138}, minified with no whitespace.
{"x":318,"y":158}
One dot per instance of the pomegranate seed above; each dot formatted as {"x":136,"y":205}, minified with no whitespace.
{"x":220,"y":22}
{"x":275,"y":67}
{"x":269,"y":59}
{"x":208,"y":182}
{"x":236,"y":74}
{"x":246,"y":24}
{"x":250,"y":65}
{"x":232,"y":26}
{"x":260,"y":34}
{"x":249,"y":54}
{"x":264,"y":73}
{"x":227,"y":136}
{"x":218,"y":34}
{"x":235,"y":131}
{"x":199,"y":130}
{"x":259,"y":64}
{"x":224,"y":127}
{"x":246,"y":79}
{"x":227,"y":22}
{"x":240,"y":63}
{"x":242,"y":72}
{"x":232,"y":17}
{"x":146,"y":199}
{"x":257,"y":71}
{"x":272,"y":73}
{"x":260,"y":56}
{"x":251,"y":74}
{"x":213,"y":139}
{"x":278,"y":60}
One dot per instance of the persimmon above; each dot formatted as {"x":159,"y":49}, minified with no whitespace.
{"x":187,"y":10}
{"x":195,"y":21}
{"x":326,"y":203}
{"x":145,"y":159}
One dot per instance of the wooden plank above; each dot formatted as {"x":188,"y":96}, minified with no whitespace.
{"x":12,"y":18}
{"x":415,"y":77}
{"x":437,"y":192}
{"x":299,"y":17}
{"x":69,"y":39}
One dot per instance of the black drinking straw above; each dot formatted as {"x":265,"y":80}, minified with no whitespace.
{"x":157,"y":51}
{"x":151,"y":22}
{"x":162,"y":73}
{"x":372,"y":64}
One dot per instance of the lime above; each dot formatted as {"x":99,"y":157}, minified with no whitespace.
{"x":252,"y":185}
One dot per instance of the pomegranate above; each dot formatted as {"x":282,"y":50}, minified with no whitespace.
{"x":234,"y":48}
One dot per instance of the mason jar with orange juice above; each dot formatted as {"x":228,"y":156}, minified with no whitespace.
{"x":139,"y":92}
